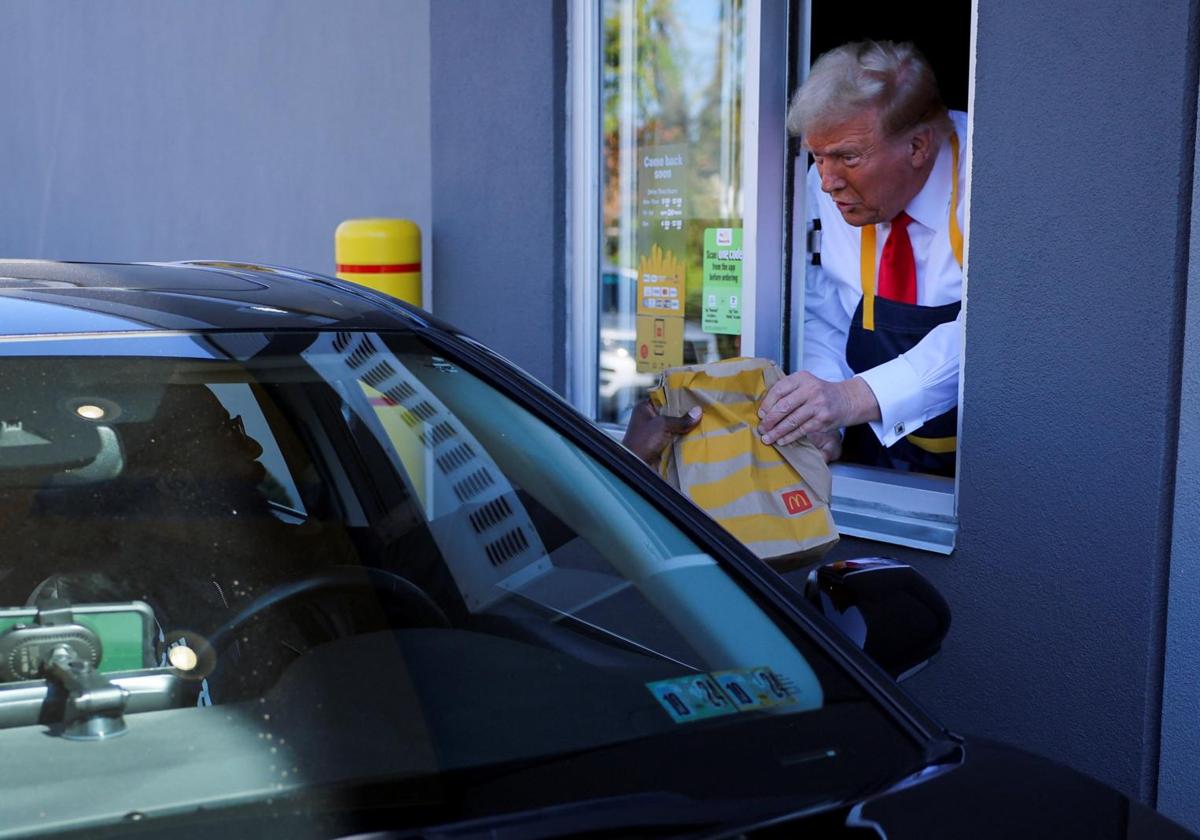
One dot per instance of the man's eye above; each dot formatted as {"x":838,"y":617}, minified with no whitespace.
{"x":851,"y":160}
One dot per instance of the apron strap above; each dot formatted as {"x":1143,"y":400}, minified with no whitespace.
{"x":938,"y":446}
{"x":867,"y":269}
{"x":866,"y":254}
{"x":956,"y":237}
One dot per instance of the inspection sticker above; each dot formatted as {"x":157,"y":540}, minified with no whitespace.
{"x":754,"y":688}
{"x":692,"y":698}
{"x":704,"y":696}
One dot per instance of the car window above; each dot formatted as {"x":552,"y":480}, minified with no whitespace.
{"x":355,"y":557}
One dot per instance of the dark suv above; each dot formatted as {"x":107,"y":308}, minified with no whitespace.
{"x":284,"y":556}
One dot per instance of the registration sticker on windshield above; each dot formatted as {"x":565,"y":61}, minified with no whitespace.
{"x":754,"y":688}
{"x":692,"y":698}
{"x":703,"y":696}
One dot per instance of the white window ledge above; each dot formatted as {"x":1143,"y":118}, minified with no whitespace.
{"x":895,"y":507}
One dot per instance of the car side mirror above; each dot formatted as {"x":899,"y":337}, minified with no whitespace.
{"x":885,"y":607}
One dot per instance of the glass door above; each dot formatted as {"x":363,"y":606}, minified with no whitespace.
{"x":677,"y":159}
{"x":671,"y":99}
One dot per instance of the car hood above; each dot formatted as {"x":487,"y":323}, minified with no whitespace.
{"x":994,"y":791}
{"x":983,"y":791}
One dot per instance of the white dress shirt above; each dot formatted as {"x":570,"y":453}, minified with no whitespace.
{"x":918,"y":385}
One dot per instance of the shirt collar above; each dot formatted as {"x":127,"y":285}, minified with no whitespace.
{"x":931,"y":206}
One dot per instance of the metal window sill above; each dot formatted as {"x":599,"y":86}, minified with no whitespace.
{"x":906,"y":509}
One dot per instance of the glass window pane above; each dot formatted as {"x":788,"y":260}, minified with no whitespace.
{"x":471,"y":603}
{"x":670,"y":286}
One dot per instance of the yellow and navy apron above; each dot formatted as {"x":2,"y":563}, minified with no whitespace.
{"x":880,"y":331}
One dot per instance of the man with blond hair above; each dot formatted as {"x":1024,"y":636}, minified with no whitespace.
{"x":883,"y":294}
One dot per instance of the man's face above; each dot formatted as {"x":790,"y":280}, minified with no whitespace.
{"x":870,"y":177}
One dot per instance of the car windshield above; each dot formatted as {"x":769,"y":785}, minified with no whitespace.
{"x":345,"y":569}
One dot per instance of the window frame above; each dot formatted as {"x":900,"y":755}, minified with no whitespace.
{"x":913,"y":510}
{"x":583,"y":206}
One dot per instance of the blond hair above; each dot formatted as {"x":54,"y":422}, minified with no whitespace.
{"x":894,"y":78}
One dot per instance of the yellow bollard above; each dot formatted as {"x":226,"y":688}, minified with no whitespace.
{"x":384,"y":254}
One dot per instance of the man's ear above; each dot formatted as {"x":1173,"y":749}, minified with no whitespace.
{"x":921,"y":146}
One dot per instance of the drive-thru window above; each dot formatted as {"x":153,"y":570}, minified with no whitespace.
{"x":689,"y":233}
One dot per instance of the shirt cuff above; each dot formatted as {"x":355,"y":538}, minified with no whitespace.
{"x":897,"y":389}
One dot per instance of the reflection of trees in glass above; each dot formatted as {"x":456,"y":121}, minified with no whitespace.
{"x":716,"y":188}
{"x":669,"y":43}
{"x":660,"y":99}
{"x":647,"y":31}
{"x":671,"y":75}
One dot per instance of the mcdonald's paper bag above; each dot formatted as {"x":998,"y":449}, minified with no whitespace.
{"x":775,"y":499}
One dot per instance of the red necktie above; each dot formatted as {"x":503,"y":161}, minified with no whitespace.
{"x":897,"y":268}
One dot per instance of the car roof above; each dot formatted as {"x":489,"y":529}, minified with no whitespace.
{"x":42,"y":297}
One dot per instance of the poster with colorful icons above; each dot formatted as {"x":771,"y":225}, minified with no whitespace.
{"x":661,"y":267}
{"x":721,"y":309}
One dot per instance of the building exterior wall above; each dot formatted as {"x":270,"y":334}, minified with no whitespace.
{"x":1084,"y":132}
{"x":1083,"y":147}
{"x":209,"y":128}
{"x":1179,"y":777}
{"x":499,"y":181}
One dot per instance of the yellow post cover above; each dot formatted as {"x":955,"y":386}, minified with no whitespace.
{"x":384,"y":254}
{"x":774,"y":499}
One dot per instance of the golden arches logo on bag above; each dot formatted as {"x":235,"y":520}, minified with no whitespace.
{"x":796,"y":502}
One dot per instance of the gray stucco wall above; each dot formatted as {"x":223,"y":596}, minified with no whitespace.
{"x":1084,"y":132}
{"x":498,"y":82}
{"x":1179,"y":779}
{"x":1084,"y":123}
{"x":209,"y":128}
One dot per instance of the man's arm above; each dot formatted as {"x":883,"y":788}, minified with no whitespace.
{"x":802,"y":405}
{"x":918,"y":385}
{"x":895,"y":398}
{"x":650,"y":432}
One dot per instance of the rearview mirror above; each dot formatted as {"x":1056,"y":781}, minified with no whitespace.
{"x":885,"y":607}
{"x":42,"y":439}
{"x":56,"y":420}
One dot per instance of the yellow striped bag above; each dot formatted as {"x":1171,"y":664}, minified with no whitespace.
{"x":775,"y":499}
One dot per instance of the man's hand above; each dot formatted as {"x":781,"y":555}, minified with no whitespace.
{"x":649,"y":432}
{"x":830,"y":444}
{"x":800,"y":404}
